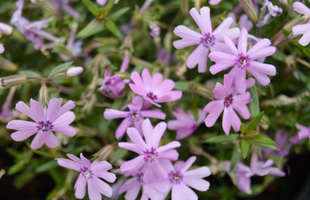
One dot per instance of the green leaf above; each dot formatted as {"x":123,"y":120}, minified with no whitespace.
{"x":93,"y":27}
{"x":17,"y":167}
{"x":113,"y":28}
{"x":234,"y":159}
{"x":263,"y":140}
{"x":29,"y":73}
{"x":243,"y":129}
{"x":255,"y":121}
{"x":254,"y":105}
{"x":286,"y":32}
{"x":114,"y":16}
{"x":61,"y":67}
{"x":251,"y":134}
{"x":223,"y":138}
{"x":266,"y":146}
{"x":47,"y":166}
{"x":245,"y":147}
{"x":91,"y":7}
{"x":183,"y":86}
{"x":107,"y":9}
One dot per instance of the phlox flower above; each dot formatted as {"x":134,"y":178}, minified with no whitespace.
{"x":185,"y":123}
{"x":207,"y":40}
{"x":244,"y":173}
{"x":153,"y":89}
{"x":135,"y":116}
{"x":244,"y":21}
{"x":53,"y":118}
{"x":303,"y":29}
{"x":280,"y":140}
{"x":113,"y":86}
{"x":304,"y":132}
{"x":90,"y":174}
{"x":242,"y":60}
{"x":227,"y":99}
{"x":181,"y":179}
{"x":150,"y":152}
{"x":1,"y":48}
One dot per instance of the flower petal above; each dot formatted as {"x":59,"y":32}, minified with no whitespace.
{"x":50,"y":139}
{"x":64,"y":119}
{"x":101,"y":186}
{"x":203,"y":21}
{"x":38,"y":140}
{"x":301,"y":8}
{"x":198,"y":56}
{"x":214,"y":108}
{"x":230,"y":118}
{"x":68,"y":164}
{"x":80,"y":187}
{"x":242,"y":41}
{"x":121,"y":129}
{"x":189,"y":36}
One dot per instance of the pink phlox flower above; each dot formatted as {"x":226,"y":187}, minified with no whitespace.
{"x":135,"y":116}
{"x":54,"y":118}
{"x":154,"y":89}
{"x":181,"y":179}
{"x":303,"y":29}
{"x":244,"y":21}
{"x":150,"y":152}
{"x":304,"y":132}
{"x":113,"y":86}
{"x":207,"y":40}
{"x":280,"y":140}
{"x":7,"y":114}
{"x":90,"y":174}
{"x":243,"y":173}
{"x":185,"y":123}
{"x":242,"y":60}
{"x":31,"y":30}
{"x":272,"y":11}
{"x":227,"y":99}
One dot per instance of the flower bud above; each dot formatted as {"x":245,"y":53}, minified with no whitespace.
{"x":43,"y":95}
{"x":127,"y":44}
{"x":74,"y":71}
{"x":104,"y":153}
{"x":5,"y":29}
{"x":10,"y":81}
{"x":250,"y":10}
{"x":7,"y":65}
{"x":155,"y":30}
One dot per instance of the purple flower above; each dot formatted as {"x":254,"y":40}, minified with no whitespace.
{"x":229,"y":101}
{"x":243,"y":173}
{"x":135,"y":116}
{"x":52,"y":118}
{"x":244,"y":21}
{"x":150,"y":152}
{"x":272,"y":11}
{"x":89,"y":175}
{"x":303,"y":29}
{"x":185,"y":123}
{"x":153,"y":89}
{"x":244,"y":60}
{"x":181,"y":180}
{"x":113,"y":86}
{"x":155,"y":30}
{"x":31,"y":30}
{"x":280,"y":140}
{"x":302,"y":134}
{"x":207,"y":40}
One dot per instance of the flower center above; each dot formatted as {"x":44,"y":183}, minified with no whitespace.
{"x":87,"y":173}
{"x":152,"y":96}
{"x":175,"y":177}
{"x":150,"y":155}
{"x":228,"y":100}
{"x":45,"y":126}
{"x":242,"y":61}
{"x":139,"y":177}
{"x":208,"y":40}
{"x":134,"y":116}
{"x":110,"y":81}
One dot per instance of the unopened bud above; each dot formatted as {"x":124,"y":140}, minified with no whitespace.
{"x":127,"y":44}
{"x":10,"y":81}
{"x":7,"y":65}
{"x":104,"y":153}
{"x":43,"y":95}
{"x":250,"y":10}
{"x":74,"y":71}
{"x":5,"y":29}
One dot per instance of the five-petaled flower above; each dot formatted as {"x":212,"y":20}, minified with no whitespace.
{"x":89,"y":175}
{"x":54,"y":118}
{"x":207,"y":40}
{"x":303,"y":29}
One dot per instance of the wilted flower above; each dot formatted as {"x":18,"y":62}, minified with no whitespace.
{"x":229,"y":101}
{"x":135,"y":116}
{"x":185,"y":123}
{"x":150,"y":152}
{"x":303,"y":29}
{"x":207,"y":40}
{"x":153,"y":89}
{"x":90,"y":174}
{"x":243,"y":60}
{"x":113,"y":86}
{"x":52,"y":118}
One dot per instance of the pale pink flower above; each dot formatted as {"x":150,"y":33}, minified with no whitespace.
{"x":244,"y":21}
{"x":207,"y":40}
{"x":243,"y":173}
{"x":53,"y":118}
{"x":150,"y":152}
{"x":304,"y":132}
{"x":228,"y":100}
{"x":135,"y":116}
{"x":1,"y":48}
{"x":5,"y":29}
{"x":181,"y":179}
{"x":153,"y":89}
{"x":74,"y":71}
{"x":90,"y":174}
{"x":303,"y":29}
{"x":185,"y":123}
{"x":155,"y":30}
{"x":113,"y":86}
{"x":103,"y":2}
{"x":242,"y":60}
